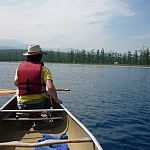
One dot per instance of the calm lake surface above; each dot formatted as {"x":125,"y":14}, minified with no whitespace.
{"x":112,"y":102}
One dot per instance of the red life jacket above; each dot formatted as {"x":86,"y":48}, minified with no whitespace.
{"x":29,"y":78}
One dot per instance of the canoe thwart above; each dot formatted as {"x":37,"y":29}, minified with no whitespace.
{"x":33,"y":115}
{"x":44,"y":143}
{"x":35,"y":119}
{"x":33,"y":110}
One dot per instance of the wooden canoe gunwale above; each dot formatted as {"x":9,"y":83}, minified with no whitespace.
{"x":84,"y":128}
{"x":7,"y":103}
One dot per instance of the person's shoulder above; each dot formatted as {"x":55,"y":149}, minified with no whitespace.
{"x":46,"y":73}
{"x":45,"y":69}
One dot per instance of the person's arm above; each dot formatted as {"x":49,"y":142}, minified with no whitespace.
{"x":52,"y":91}
{"x":16,"y":79}
{"x":16,"y":83}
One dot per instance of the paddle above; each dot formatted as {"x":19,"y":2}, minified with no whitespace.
{"x":7,"y":91}
{"x":43,"y":143}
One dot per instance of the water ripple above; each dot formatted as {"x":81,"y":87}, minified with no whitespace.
{"x":112,"y":102}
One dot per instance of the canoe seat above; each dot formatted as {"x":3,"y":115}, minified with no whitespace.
{"x":34,"y":115}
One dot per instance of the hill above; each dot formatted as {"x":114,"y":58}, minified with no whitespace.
{"x":12,"y":44}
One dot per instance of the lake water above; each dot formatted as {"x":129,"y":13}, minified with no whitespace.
{"x":112,"y":102}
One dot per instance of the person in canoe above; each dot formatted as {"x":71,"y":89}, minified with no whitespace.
{"x":33,"y":80}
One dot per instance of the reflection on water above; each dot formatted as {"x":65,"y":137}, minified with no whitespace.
{"x":113,"y":102}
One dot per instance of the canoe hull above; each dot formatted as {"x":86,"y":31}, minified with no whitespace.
{"x":30,"y":131}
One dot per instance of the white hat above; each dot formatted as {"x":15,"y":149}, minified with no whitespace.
{"x":34,"y":49}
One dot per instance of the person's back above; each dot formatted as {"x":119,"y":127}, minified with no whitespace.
{"x":32,"y":78}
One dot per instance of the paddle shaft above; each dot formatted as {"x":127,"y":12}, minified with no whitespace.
{"x":47,"y":142}
{"x":5,"y":91}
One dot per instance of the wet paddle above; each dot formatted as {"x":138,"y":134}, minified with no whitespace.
{"x":7,"y":91}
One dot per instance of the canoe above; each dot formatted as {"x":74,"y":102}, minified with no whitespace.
{"x":23,"y":129}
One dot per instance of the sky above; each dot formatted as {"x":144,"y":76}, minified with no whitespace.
{"x":116,"y":25}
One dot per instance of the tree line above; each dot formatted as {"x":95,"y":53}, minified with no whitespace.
{"x":138,"y":57}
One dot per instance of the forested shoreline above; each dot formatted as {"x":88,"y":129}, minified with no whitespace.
{"x":138,"y":57}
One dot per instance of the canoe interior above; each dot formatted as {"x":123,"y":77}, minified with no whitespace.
{"x":31,"y":131}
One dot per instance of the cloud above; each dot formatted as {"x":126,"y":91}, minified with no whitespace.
{"x":61,"y":23}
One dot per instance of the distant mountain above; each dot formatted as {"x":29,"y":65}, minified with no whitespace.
{"x":11,"y":43}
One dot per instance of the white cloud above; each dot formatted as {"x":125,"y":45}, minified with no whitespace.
{"x":61,"y":23}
